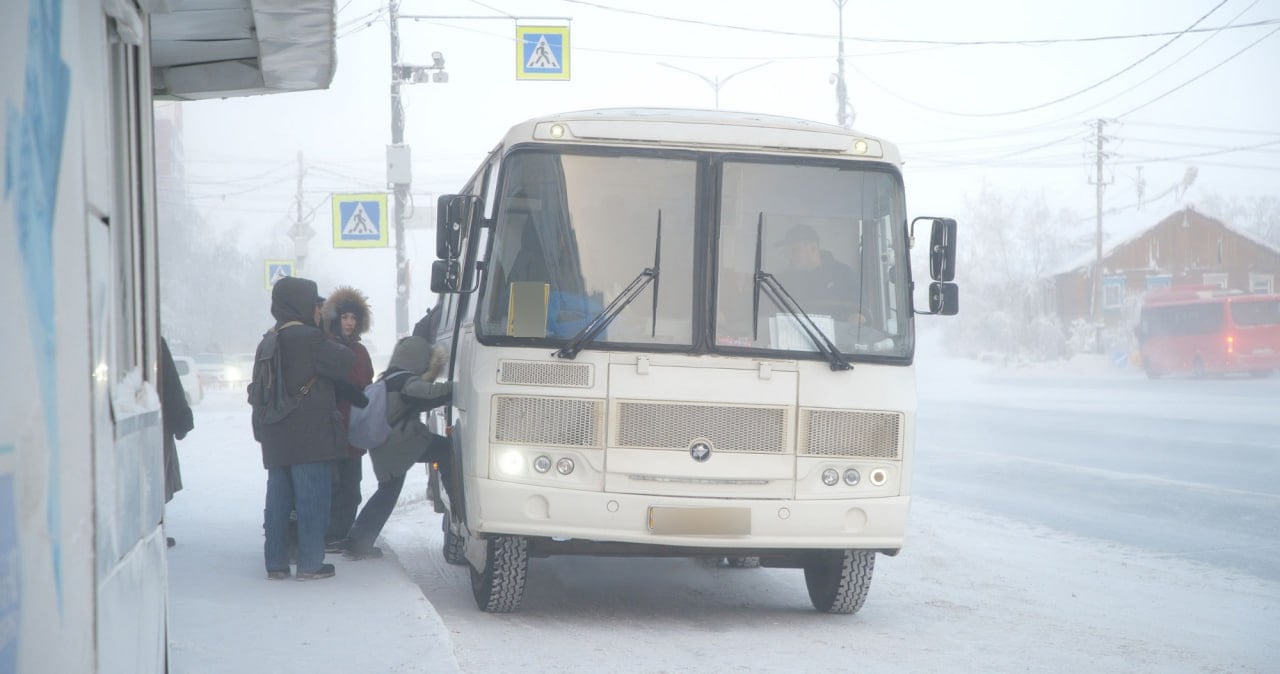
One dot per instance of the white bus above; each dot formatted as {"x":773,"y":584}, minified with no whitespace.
{"x":681,"y":333}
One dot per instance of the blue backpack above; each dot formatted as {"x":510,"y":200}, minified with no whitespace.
{"x":369,"y":426}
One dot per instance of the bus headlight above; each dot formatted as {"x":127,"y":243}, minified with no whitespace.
{"x":830,"y":477}
{"x":542,"y":464}
{"x":851,"y":477}
{"x":511,"y":462}
{"x":564,"y":466}
{"x":879,"y":476}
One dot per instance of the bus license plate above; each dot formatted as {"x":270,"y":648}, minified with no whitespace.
{"x":700,"y":521}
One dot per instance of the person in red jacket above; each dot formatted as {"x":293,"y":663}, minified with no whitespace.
{"x":346,"y":317}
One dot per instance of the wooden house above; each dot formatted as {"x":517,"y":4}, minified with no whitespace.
{"x":1185,"y":248}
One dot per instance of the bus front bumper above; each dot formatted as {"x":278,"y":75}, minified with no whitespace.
{"x":497,"y":507}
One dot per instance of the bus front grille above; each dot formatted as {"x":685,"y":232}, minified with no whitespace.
{"x":531,"y":420}
{"x":730,"y":428}
{"x":535,"y":373}
{"x":876,"y":435}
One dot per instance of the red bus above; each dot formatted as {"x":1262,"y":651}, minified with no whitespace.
{"x":1200,"y":331}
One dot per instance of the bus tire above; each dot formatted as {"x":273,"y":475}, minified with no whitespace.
{"x":500,"y":586}
{"x":838,"y":580}
{"x":744,"y":562}
{"x":453,"y":544}
{"x":1197,"y":368}
{"x":1150,"y":370}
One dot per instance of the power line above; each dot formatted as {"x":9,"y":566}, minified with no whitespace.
{"x":1210,"y":129}
{"x":1060,"y":99}
{"x":951,"y":43}
{"x":719,"y":57}
{"x":1193,"y":79}
{"x":1210,"y":153}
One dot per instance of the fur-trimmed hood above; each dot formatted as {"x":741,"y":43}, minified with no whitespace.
{"x":342,"y":300}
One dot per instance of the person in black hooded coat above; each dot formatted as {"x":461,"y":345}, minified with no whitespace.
{"x":298,"y":450}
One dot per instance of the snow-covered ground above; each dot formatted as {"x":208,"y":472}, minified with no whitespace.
{"x":1032,"y":581}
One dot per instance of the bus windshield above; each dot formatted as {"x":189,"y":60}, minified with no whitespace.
{"x":574,"y":230}
{"x":832,"y":237}
{"x":1252,"y":313}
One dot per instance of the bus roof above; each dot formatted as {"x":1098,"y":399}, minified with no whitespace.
{"x":702,"y":129}
{"x":1192,"y":294}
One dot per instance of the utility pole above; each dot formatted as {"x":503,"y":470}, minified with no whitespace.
{"x":1096,"y":313}
{"x":401,"y":188}
{"x":844,"y":111}
{"x":301,"y":231}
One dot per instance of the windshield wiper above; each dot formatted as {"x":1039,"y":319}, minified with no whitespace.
{"x":602,"y":320}
{"x":783,"y":299}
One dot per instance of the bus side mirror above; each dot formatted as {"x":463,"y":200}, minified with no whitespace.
{"x":944,"y":298}
{"x":942,"y":251}
{"x":446,"y":276}
{"x":455,"y":214}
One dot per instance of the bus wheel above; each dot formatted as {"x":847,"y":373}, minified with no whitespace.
{"x":1152,"y":373}
{"x":744,"y":562}
{"x":452,"y":543}
{"x":838,"y":580}
{"x":500,"y":586}
{"x":1197,"y":368}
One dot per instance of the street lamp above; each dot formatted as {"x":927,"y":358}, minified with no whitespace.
{"x":719,"y":81}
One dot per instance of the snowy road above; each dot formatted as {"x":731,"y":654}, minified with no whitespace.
{"x":1060,"y":524}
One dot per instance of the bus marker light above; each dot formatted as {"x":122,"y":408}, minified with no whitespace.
{"x":542,"y":464}
{"x":557,"y":131}
{"x":830,"y":477}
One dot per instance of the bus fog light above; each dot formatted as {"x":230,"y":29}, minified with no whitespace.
{"x":511,"y":462}
{"x":542,"y":464}
{"x":879,"y":476}
{"x":830,"y":477}
{"x":851,"y":477}
{"x":564,"y":466}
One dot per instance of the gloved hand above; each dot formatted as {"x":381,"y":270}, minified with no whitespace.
{"x":348,"y":392}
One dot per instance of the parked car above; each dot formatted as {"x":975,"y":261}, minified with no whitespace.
{"x":190,"y":378}
{"x":212,"y":368}
{"x":240,"y":370}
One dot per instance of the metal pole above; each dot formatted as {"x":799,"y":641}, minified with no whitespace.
{"x":401,"y":189}
{"x":842,"y":92}
{"x":1097,"y":261}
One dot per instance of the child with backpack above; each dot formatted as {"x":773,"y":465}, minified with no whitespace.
{"x":410,"y":390}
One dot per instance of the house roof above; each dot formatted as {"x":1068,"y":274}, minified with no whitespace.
{"x":1119,"y":230}
{"x":224,"y":48}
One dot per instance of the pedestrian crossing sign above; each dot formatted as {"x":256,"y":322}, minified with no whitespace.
{"x":542,"y":52}
{"x":360,"y":220}
{"x":276,"y":270}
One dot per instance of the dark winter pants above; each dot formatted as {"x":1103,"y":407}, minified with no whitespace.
{"x":378,"y":508}
{"x":374,"y":515}
{"x":346,"y":497}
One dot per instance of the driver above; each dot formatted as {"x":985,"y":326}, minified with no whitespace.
{"x":820,"y":283}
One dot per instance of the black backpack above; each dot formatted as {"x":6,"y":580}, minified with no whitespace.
{"x":270,"y":400}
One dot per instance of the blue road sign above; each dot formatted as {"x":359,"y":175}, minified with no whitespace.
{"x":360,"y":220}
{"x":278,"y":269}
{"x":542,"y":52}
